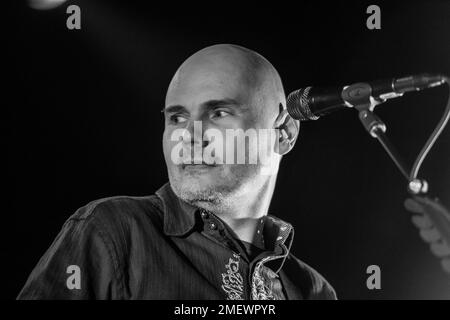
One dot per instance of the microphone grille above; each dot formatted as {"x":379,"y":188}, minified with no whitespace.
{"x":297,"y":104}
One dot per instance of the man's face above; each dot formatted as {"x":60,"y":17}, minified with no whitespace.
{"x":216,"y":96}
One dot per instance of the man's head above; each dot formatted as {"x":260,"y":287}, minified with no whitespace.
{"x":223,"y":88}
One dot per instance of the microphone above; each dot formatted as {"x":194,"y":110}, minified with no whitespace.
{"x":310,"y":103}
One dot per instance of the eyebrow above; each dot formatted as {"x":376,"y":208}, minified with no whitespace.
{"x":208,"y":105}
{"x":213,"y":104}
{"x":174,"y":109}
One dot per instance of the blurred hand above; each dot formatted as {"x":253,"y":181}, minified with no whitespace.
{"x":433,"y":221}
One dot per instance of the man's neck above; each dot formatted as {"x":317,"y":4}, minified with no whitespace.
{"x":244,"y":213}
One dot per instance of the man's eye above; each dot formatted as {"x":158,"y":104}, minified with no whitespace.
{"x":220,"y":113}
{"x":176,"y":118}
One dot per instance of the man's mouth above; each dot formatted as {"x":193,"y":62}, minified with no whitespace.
{"x":202,"y":165}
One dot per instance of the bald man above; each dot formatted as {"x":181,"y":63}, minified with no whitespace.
{"x":207,"y":233}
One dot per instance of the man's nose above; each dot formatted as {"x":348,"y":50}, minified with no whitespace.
{"x":193,"y":133}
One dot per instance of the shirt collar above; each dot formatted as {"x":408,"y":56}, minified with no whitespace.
{"x":277,"y":232}
{"x":179,"y":216}
{"x":179,"y":219}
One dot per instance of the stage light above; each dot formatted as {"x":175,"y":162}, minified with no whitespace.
{"x":45,"y":4}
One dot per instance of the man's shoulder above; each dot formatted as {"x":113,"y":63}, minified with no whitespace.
{"x":310,"y":283}
{"x":97,"y":239}
{"x":119,"y":212}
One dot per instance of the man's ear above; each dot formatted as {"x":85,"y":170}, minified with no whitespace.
{"x":288,"y":130}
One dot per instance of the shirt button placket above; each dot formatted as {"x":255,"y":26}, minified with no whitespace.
{"x":211,"y":223}
{"x":213,"y":226}
{"x":204,"y":214}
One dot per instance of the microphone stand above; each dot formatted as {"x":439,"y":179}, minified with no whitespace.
{"x":359,"y":96}
{"x":439,"y":215}
{"x":377,"y":129}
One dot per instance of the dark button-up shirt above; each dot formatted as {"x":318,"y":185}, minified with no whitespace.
{"x":159,"y":247}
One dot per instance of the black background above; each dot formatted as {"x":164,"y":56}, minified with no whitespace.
{"x":81,"y":109}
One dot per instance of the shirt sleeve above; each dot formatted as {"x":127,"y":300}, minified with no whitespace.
{"x":323,"y":291}
{"x":304,"y":282}
{"x":80,"y":264}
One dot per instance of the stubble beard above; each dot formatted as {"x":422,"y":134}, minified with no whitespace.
{"x":215,"y":195}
